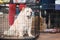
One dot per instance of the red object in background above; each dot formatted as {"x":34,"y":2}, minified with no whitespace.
{"x":21,"y":6}
{"x":12,"y":12}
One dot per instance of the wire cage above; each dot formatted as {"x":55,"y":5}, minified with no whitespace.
{"x":4,"y":24}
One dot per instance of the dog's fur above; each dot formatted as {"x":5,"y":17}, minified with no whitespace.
{"x":22,"y":24}
{"x":41,"y":23}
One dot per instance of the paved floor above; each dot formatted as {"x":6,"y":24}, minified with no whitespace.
{"x":49,"y":36}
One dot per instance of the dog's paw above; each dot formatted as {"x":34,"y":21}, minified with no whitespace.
{"x":20,"y":35}
{"x":30,"y":35}
{"x":9,"y":33}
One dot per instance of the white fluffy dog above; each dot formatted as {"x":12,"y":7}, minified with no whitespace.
{"x":22,"y":24}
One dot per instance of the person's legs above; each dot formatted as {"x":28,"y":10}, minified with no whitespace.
{"x":12,"y":12}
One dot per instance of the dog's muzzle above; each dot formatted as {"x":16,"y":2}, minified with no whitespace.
{"x":29,"y":16}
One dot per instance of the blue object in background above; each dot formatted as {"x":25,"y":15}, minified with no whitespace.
{"x":47,"y":4}
{"x":17,"y":11}
{"x":57,"y":6}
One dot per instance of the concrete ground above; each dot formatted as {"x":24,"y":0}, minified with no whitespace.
{"x":49,"y":36}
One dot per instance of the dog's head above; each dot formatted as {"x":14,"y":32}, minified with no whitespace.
{"x":28,"y":12}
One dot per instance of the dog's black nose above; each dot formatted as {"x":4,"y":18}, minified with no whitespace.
{"x":28,"y":17}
